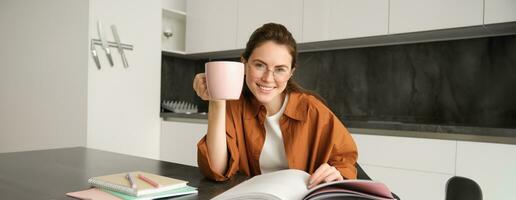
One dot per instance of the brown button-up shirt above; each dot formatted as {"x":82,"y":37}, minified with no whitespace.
{"x":312,"y":135}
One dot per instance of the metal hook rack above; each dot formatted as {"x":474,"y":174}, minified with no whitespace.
{"x":106,"y":45}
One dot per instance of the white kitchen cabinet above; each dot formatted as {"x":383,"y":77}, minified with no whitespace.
{"x":211,"y":25}
{"x":410,"y":184}
{"x":401,"y":162}
{"x":335,"y":19}
{"x":492,"y":166}
{"x":179,"y":141}
{"x":253,"y":14}
{"x":220,"y":28}
{"x":429,"y":155}
{"x":423,"y":15}
{"x":173,"y":26}
{"x":416,"y":168}
{"x":499,"y":11}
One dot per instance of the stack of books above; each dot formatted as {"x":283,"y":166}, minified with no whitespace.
{"x":134,"y":186}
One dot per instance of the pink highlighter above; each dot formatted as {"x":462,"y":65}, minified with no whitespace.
{"x":149,"y":181}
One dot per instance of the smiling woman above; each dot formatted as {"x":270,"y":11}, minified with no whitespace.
{"x":267,"y":73}
{"x":275,"y":124}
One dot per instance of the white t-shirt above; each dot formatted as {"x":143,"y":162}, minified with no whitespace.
{"x":273,"y":156}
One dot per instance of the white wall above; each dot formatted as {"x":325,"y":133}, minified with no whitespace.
{"x":123,"y":104}
{"x":174,"y":4}
{"x":43,"y":74}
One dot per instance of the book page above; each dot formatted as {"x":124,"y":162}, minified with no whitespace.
{"x":361,"y":188}
{"x":283,"y":184}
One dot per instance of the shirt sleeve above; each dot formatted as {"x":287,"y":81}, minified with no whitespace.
{"x":341,"y":146}
{"x":343,"y":154}
{"x":203,"y":159}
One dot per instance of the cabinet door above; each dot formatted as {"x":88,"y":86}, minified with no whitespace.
{"x":412,"y":16}
{"x":210,"y":25}
{"x":492,"y":166}
{"x":428,"y":155}
{"x":253,"y":14}
{"x":179,"y":141}
{"x":410,"y":184}
{"x":499,"y":11}
{"x":400,"y":162}
{"x":336,"y":19}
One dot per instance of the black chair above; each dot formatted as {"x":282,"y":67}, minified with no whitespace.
{"x":361,"y":174}
{"x":462,"y":188}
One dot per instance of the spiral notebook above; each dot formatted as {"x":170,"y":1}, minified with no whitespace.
{"x":120,"y":183}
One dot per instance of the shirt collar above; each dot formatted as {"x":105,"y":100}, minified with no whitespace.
{"x":295,"y":109}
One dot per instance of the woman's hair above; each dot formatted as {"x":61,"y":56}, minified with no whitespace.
{"x":280,"y":35}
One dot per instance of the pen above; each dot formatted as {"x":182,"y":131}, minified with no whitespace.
{"x":131,"y":180}
{"x":148,"y":180}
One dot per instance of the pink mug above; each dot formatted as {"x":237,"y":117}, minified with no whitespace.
{"x":224,"y":79}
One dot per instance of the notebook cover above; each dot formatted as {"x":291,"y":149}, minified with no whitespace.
{"x":92,"y":193}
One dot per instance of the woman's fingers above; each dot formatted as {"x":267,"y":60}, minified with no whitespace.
{"x":318,"y":175}
{"x":199,"y":80}
{"x":325,"y":173}
{"x":315,"y":176}
{"x":200,"y":87}
{"x":333,"y":176}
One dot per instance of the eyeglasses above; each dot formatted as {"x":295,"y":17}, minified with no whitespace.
{"x":279,"y":73}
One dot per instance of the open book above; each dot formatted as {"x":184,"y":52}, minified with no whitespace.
{"x":293,"y":183}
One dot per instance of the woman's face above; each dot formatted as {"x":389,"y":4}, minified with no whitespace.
{"x":268,"y":71}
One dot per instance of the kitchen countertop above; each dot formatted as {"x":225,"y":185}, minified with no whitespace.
{"x":183,"y":117}
{"x":430,"y":131}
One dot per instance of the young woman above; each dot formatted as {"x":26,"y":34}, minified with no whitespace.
{"x":275,"y":124}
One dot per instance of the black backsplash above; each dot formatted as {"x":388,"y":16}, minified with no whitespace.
{"x":467,"y":82}
{"x":177,"y":76}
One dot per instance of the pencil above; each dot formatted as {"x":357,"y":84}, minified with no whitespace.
{"x":149,"y":181}
{"x":131,"y":180}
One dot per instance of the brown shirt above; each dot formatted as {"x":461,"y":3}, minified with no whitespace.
{"x":312,"y":135}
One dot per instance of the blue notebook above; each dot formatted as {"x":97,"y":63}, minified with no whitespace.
{"x":171,"y":193}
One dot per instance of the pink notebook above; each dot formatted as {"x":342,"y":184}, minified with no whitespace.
{"x":92,"y":194}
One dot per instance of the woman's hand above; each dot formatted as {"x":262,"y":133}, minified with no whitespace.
{"x":325,"y":173}
{"x":200,"y":87}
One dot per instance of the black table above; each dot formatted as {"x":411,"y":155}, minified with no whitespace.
{"x":49,"y":174}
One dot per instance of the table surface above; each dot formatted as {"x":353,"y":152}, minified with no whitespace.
{"x":49,"y":174}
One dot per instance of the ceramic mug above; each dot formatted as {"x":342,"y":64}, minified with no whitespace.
{"x":224,"y":79}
